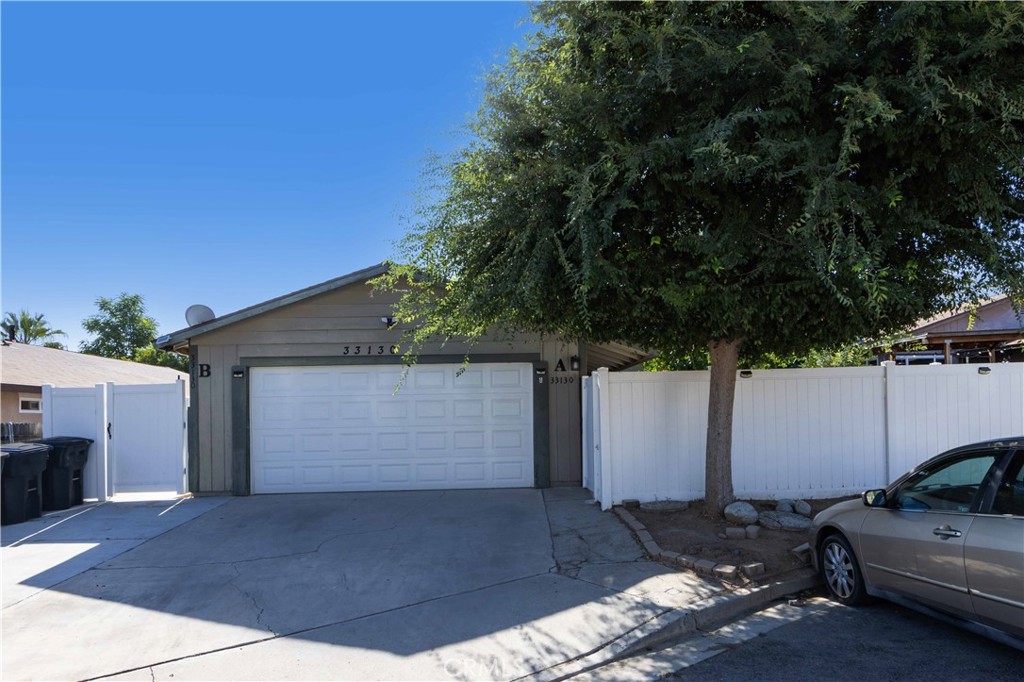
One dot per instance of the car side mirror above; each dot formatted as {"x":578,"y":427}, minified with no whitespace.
{"x":875,"y":498}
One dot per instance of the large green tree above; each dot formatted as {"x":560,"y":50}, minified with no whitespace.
{"x":734,"y":177}
{"x":124,"y":331}
{"x":26,"y":327}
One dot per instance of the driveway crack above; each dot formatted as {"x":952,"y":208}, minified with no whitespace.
{"x":251,"y":598}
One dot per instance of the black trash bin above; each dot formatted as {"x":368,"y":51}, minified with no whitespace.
{"x":62,"y":479}
{"x":22,"y":481}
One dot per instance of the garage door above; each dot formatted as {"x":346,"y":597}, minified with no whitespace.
{"x":343,"y":428}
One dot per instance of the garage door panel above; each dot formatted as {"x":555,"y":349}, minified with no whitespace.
{"x":344,"y":428}
{"x":506,"y":408}
{"x":429,"y":378}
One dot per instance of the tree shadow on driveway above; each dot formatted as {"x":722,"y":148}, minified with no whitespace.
{"x":420,"y":584}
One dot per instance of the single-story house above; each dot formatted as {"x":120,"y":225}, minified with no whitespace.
{"x":992,"y":332}
{"x":298,"y":394}
{"x":24,"y":368}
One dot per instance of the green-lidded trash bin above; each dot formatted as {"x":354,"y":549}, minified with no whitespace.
{"x":22,"y":481}
{"x":62,"y":479}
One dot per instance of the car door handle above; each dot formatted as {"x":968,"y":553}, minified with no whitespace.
{"x":947,"y":532}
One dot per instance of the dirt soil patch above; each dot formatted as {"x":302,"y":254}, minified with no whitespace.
{"x":689,"y":532}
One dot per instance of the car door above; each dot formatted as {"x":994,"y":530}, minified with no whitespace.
{"x":916,"y":548}
{"x":994,"y":553}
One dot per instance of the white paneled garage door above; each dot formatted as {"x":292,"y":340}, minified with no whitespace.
{"x":343,"y":428}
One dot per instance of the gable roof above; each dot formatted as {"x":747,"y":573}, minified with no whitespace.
{"x":615,"y":356}
{"x":25,"y":366}
{"x":170,"y":341}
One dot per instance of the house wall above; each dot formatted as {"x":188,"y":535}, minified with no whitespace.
{"x":321,"y":327}
{"x":9,"y":408}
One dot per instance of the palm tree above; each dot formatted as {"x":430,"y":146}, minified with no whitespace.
{"x":28,"y":328}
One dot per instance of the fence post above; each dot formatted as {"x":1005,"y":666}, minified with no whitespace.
{"x":603,"y":413}
{"x":48,"y":406}
{"x":587,"y":434}
{"x":182,"y":486}
{"x":888,"y":375}
{"x":104,"y":417}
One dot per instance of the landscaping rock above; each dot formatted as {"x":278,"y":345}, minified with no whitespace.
{"x":732,"y":533}
{"x":726,"y":571}
{"x":802,"y":507}
{"x":753,"y":531}
{"x":785,"y":506}
{"x":776,"y":520}
{"x":704,"y":566}
{"x":686,"y":561}
{"x":665,"y":506}
{"x":753,"y":570}
{"x":741,"y":513}
{"x":803,"y":552}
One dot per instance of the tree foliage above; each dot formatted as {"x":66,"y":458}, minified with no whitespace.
{"x":26,"y":327}
{"x":124,"y":331}
{"x":771,"y":176}
{"x":853,"y":354}
{"x":151,"y":355}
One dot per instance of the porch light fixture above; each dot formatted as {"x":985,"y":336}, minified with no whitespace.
{"x":574,"y":363}
{"x":388,"y":321}
{"x":984,"y":370}
{"x":237,"y":374}
{"x":746,"y":374}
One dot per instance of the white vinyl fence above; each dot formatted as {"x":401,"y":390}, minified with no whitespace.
{"x":139,"y":434}
{"x":810,"y":433}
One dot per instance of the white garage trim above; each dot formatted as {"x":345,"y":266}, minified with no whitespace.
{"x":344,"y":428}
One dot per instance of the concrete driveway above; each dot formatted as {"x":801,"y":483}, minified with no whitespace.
{"x":443,"y":585}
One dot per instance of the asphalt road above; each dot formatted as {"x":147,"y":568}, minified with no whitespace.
{"x":874,"y":643}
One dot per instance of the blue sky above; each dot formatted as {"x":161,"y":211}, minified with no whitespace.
{"x":222,"y":153}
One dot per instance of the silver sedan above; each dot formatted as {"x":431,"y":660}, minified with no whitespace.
{"x":946,"y":539}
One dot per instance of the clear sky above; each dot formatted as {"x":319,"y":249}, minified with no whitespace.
{"x":222,"y":153}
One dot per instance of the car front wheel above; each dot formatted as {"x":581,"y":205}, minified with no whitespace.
{"x":840,"y":571}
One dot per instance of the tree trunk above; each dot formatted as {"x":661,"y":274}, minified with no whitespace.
{"x":718,"y":453}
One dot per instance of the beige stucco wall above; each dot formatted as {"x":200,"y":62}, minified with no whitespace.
{"x":321,"y":327}
{"x":9,"y":408}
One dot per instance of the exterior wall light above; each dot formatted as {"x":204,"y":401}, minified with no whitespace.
{"x":388,"y":321}
{"x":574,"y":363}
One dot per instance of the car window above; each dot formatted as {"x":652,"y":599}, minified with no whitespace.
{"x":1010,"y":495}
{"x":951,"y":486}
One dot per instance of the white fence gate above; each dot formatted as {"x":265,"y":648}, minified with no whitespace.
{"x":139,"y":433}
{"x":796,"y":433}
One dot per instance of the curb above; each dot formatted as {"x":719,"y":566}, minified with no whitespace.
{"x":698,"y":616}
{"x":701,"y":615}
{"x":713,"y":610}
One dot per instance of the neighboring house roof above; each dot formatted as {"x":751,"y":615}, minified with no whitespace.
{"x":994,"y":325}
{"x":996,"y":313}
{"x":612,"y":355}
{"x":26,"y":366}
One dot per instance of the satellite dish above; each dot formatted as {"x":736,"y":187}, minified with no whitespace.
{"x":198,"y":314}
